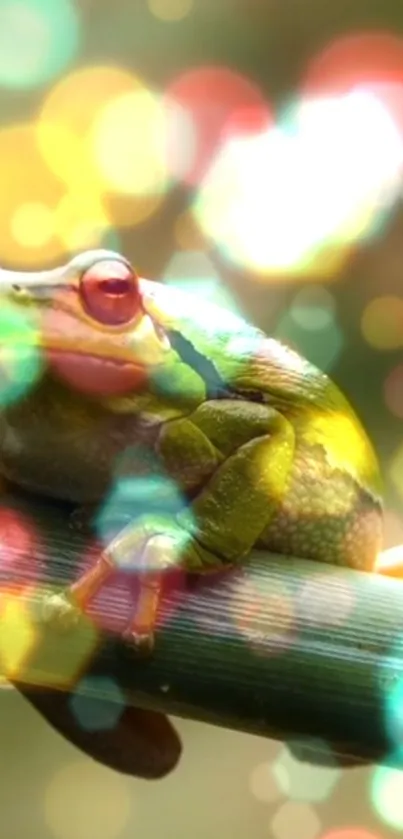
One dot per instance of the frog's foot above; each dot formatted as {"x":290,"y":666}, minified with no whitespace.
{"x":146,"y":551}
{"x":60,"y":611}
{"x":139,"y":644}
{"x":139,"y":636}
{"x":64,"y":609}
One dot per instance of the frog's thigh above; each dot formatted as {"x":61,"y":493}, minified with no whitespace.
{"x":187,"y":454}
{"x":230,"y":513}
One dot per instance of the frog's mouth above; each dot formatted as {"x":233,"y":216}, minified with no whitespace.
{"x":96,"y":375}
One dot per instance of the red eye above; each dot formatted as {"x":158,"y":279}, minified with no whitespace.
{"x":110,"y":292}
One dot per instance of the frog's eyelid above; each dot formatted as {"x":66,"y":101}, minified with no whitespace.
{"x":38,"y":292}
{"x":11,"y":280}
{"x":84,"y":261}
{"x":59,"y":277}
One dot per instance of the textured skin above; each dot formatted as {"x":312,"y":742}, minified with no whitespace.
{"x":51,"y":445}
{"x":325,"y":515}
{"x":263,"y":445}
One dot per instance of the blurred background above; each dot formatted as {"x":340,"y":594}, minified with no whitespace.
{"x":252,"y":152}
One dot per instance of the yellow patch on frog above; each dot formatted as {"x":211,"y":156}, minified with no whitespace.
{"x":345,"y":446}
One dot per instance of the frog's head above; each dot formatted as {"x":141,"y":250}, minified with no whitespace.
{"x":90,"y":321}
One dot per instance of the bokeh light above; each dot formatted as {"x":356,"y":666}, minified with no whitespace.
{"x":322,"y":348}
{"x":267,"y":619}
{"x":393,"y":527}
{"x":143,"y":502}
{"x":194,"y":272}
{"x":80,"y":220}
{"x":17,"y":633}
{"x":393,"y":710}
{"x":353,"y":832}
{"x":393,"y":390}
{"x":32,"y":224}
{"x":263,"y":784}
{"x":30,"y":193}
{"x":19,"y":549}
{"x":387,"y":794}
{"x":128,"y":143}
{"x":358,"y":59}
{"x":188,"y":234}
{"x":105,"y":712}
{"x":306,"y":782}
{"x":313,"y":307}
{"x":390,"y":562}
{"x":293,"y":819}
{"x":328,"y":611}
{"x":67,"y":116}
{"x":113,"y":172}
{"x":310,"y":326}
{"x":38,"y":40}
{"x":85,"y":799}
{"x":172,"y":306}
{"x":382,"y":322}
{"x":20,"y":355}
{"x":189,"y":266}
{"x":131,"y":498}
{"x":217,"y":103}
{"x":170,"y":10}
{"x":323,"y":176}
{"x":396,"y":469}
{"x":368,"y":61}
{"x":65,"y":661}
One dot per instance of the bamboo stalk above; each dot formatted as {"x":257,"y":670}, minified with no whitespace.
{"x":279,"y":647}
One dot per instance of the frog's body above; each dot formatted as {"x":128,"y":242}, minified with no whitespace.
{"x":60,"y":444}
{"x":264,"y":448}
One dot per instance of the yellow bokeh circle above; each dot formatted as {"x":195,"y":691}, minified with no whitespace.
{"x":30,"y":192}
{"x":84,"y":799}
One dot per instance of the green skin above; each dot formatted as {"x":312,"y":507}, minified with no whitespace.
{"x":264,"y":448}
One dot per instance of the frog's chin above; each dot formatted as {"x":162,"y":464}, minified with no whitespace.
{"x":97,"y":376}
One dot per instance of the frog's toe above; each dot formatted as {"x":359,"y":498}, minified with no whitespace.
{"x":58,"y":611}
{"x":139,"y":644}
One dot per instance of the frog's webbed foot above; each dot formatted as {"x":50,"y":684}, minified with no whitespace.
{"x":139,"y":549}
{"x":157,"y":553}
{"x":140,"y":645}
{"x":63,"y":610}
{"x":59,"y":612}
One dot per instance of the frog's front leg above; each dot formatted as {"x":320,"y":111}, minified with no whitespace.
{"x":221,"y":525}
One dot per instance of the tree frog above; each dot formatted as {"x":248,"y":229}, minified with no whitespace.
{"x":138,"y":379}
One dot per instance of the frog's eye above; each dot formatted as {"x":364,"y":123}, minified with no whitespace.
{"x":110,"y":292}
